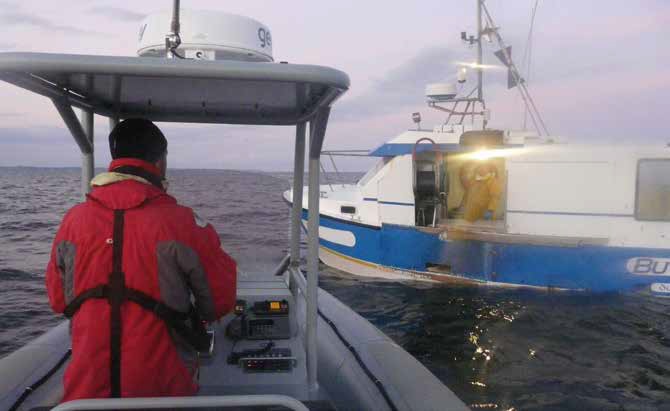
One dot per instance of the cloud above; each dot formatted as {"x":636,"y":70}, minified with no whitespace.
{"x":402,"y":86}
{"x":10,"y":114}
{"x":19,"y":18}
{"x":6,"y":5}
{"x":117,"y":13}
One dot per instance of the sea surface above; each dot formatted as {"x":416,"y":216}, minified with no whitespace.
{"x":497,"y":349}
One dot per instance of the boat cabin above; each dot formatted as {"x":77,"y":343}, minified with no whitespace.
{"x":531,"y":186}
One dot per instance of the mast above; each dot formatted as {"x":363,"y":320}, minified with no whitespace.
{"x":480,"y":72}
{"x":535,"y":115}
{"x":485,"y":27}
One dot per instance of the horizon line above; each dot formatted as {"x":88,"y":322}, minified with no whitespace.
{"x":182,"y":168}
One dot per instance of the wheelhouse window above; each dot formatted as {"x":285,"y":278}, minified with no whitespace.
{"x":652,"y":201}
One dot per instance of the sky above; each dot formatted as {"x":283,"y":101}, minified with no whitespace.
{"x":599,"y":71}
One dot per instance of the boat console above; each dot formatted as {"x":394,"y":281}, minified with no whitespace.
{"x":257,"y":346}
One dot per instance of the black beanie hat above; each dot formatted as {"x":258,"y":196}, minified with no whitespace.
{"x":137,"y":138}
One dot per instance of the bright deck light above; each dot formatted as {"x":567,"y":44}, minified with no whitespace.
{"x":474,"y":65}
{"x":484,"y":154}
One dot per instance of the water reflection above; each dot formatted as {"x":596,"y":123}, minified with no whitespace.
{"x":496,"y":348}
{"x":519,"y":349}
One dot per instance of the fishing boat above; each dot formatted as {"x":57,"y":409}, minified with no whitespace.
{"x":466,"y":203}
{"x":289,"y":345}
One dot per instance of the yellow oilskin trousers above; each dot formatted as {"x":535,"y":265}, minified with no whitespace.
{"x":483,"y":195}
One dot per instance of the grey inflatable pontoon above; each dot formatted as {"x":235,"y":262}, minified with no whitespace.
{"x":322,"y":355}
{"x":351,"y":354}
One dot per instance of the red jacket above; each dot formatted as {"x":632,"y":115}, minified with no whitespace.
{"x":168,"y":253}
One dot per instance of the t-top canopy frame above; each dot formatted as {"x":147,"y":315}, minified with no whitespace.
{"x":191,"y":91}
{"x":219,"y":92}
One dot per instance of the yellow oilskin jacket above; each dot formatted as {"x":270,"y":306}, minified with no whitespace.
{"x":483,"y":194}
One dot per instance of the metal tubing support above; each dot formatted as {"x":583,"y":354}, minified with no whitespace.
{"x":463,"y":114}
{"x":282,"y":266}
{"x":317,"y":133}
{"x":298,"y":182}
{"x":457,"y":100}
{"x":337,"y":172}
{"x":472,"y":118}
{"x":72,"y":122}
{"x":343,"y":152}
{"x":81,"y":136}
{"x":298,"y":279}
{"x":312,"y":272}
{"x":451,"y":113}
{"x":456,"y":113}
{"x":46,"y":89}
{"x":115,"y":90}
{"x":325,"y":176}
{"x":113,"y":121}
{"x":87,"y":159}
{"x":347,"y":153}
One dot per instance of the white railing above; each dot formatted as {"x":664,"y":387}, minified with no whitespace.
{"x":170,"y":403}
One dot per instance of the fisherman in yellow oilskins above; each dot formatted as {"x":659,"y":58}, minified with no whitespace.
{"x":483,"y":193}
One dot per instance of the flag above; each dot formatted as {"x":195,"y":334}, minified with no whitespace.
{"x":502,"y":56}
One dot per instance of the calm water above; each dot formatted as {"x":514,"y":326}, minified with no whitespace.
{"x":496,"y":349}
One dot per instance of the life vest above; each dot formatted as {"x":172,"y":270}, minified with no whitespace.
{"x":117,"y":294}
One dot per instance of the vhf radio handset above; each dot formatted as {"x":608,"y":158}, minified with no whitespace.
{"x":266,"y":320}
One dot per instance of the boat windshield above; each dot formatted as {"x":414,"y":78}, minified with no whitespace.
{"x":373,"y":171}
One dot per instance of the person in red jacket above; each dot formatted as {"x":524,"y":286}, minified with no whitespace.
{"x":125,"y":266}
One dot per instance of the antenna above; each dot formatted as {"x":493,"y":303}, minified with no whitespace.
{"x":172,"y":39}
{"x":471,"y":40}
{"x":439,"y":94}
{"x":461,"y":75}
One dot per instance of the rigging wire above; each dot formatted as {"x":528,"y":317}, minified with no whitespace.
{"x":528,"y":55}
{"x":535,"y":115}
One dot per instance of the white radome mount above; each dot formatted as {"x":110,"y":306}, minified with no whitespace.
{"x":208,"y":35}
{"x":439,"y":92}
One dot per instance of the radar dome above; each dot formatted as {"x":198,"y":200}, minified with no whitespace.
{"x":208,"y":35}
{"x":440,"y":91}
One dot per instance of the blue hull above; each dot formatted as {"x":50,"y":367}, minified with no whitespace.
{"x":594,"y":268}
